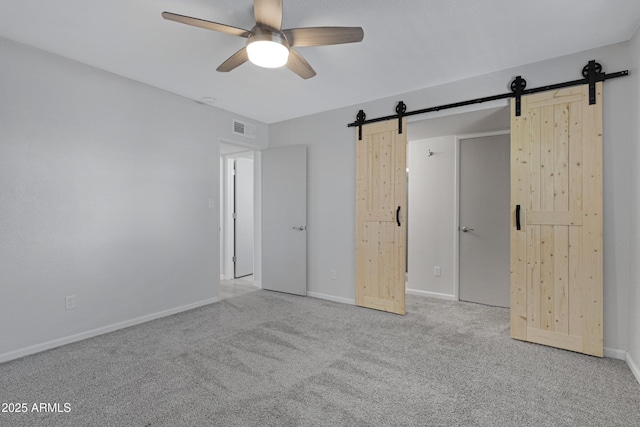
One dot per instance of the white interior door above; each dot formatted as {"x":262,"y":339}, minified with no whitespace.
{"x":284,"y":219}
{"x":243,"y":218}
{"x":484,"y":220}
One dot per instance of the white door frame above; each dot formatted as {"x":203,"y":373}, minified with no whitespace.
{"x":226,"y":212}
{"x":456,"y":200}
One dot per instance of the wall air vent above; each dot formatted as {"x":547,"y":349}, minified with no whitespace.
{"x":244,"y":129}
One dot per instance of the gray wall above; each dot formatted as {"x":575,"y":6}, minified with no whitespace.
{"x":332,"y":175}
{"x":330,"y":198}
{"x":104,"y":193}
{"x":432,"y":216}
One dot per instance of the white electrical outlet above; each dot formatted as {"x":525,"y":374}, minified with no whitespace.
{"x":333,"y":275}
{"x":70,"y":302}
{"x":436,"y":271}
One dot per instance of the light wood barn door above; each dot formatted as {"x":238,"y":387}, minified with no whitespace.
{"x":556,"y":257}
{"x":381,"y":207}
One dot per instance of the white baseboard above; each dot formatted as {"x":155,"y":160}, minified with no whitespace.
{"x":331,"y":298}
{"x":432,"y":294}
{"x":99,"y":331}
{"x":633,"y":366}
{"x":614,"y":353}
{"x":257,"y":284}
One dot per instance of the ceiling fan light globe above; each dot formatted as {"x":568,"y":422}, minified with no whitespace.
{"x":267,"y":53}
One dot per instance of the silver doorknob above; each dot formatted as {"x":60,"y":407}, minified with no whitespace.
{"x":466,"y":229}
{"x":301,"y":228}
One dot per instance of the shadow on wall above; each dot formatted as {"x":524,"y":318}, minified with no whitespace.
{"x":457,"y":124}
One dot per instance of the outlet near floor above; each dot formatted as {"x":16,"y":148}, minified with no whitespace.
{"x":70,"y":302}
{"x":333,"y":274}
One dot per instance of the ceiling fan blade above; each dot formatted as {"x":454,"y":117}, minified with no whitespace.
{"x":323,"y":36}
{"x":299,"y":65}
{"x":196,"y":22}
{"x":235,"y":60}
{"x":268,"y":13}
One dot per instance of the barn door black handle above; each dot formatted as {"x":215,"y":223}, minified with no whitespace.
{"x":518,"y":217}
{"x":398,"y":216}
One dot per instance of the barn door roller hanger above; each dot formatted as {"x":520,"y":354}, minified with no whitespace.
{"x":591,"y":73}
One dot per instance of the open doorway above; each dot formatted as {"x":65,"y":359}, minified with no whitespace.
{"x":238,"y":218}
{"x":433,"y":160}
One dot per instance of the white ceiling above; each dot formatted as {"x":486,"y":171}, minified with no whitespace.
{"x":408,"y":44}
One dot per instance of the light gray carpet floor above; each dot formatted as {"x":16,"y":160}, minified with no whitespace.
{"x":273,"y":359}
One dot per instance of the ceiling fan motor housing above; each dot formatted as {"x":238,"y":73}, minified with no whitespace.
{"x":265,"y":34}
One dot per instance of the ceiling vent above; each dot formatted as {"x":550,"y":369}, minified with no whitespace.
{"x":244,"y":129}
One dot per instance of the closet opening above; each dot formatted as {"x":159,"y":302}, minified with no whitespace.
{"x":442,"y":164}
{"x":238,"y":215}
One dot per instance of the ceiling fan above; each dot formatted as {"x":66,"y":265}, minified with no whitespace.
{"x":268,"y":45}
